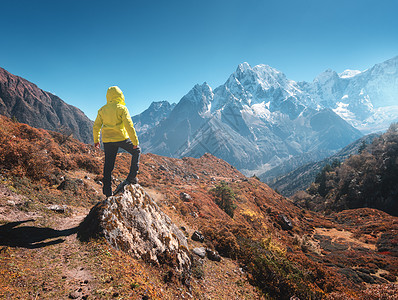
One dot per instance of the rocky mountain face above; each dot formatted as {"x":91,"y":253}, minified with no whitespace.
{"x":259,"y":119}
{"x":29,"y":104}
{"x":149,"y":118}
{"x":255,"y":121}
{"x":368,"y":100}
{"x":301,"y":178}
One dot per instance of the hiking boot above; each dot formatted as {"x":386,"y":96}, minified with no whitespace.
{"x":121,"y":186}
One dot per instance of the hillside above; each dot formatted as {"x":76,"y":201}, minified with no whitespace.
{"x":368,"y":179}
{"x":29,"y":104}
{"x":270,"y":248}
{"x":301,"y":178}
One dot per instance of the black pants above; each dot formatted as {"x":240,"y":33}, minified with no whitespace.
{"x":111,"y":150}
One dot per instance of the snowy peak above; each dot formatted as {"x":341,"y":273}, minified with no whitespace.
{"x":251,"y":84}
{"x":243,"y":67}
{"x":153,"y":115}
{"x":260,"y":74}
{"x":257,"y":118}
{"x":158,"y":105}
{"x":199,"y":94}
{"x":386,"y":68}
{"x":349,"y":73}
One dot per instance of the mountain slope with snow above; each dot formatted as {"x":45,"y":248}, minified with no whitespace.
{"x":151,"y":117}
{"x":367,"y":100}
{"x":259,"y":119}
{"x":256,"y":120}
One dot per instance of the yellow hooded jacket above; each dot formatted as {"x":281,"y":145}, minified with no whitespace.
{"x":114,"y":119}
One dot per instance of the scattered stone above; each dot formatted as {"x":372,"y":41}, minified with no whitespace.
{"x":185,"y":197}
{"x":58,"y":208}
{"x":200,"y":251}
{"x":197,"y":236}
{"x":163,"y":168}
{"x":74,"y":295}
{"x":10,"y":202}
{"x":212,"y":255}
{"x":87,"y":177}
{"x":194,"y":176}
{"x":285,"y":223}
{"x":80,"y":181}
{"x":109,"y":279}
{"x":212,"y":179}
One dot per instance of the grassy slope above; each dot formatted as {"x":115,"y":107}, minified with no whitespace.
{"x":318,"y":258}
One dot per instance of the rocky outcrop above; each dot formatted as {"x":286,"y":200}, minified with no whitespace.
{"x":132,"y":222}
{"x":29,"y":104}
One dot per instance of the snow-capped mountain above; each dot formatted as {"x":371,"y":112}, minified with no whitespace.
{"x":151,"y":117}
{"x":367,"y":100}
{"x":256,"y":120}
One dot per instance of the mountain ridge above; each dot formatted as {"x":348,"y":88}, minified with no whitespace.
{"x":301,"y":177}
{"x":259,"y":113}
{"x":256,"y":117}
{"x":25,"y":101}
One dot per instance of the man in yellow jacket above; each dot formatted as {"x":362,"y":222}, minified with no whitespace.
{"x":117,"y":132}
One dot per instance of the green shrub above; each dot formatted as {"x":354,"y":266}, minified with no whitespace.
{"x":224,"y":198}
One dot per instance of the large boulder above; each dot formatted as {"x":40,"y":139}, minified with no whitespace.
{"x":132,"y":222}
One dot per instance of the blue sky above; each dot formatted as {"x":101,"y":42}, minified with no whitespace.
{"x":158,"y":50}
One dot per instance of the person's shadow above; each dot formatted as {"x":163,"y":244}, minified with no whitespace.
{"x":31,"y":237}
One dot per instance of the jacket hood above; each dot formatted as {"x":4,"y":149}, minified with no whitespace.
{"x":115,"y":94}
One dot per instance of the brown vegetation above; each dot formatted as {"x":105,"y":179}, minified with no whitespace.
{"x":368,"y":179}
{"x":282,"y":249}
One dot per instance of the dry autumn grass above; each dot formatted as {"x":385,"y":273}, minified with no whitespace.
{"x":336,"y":257}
